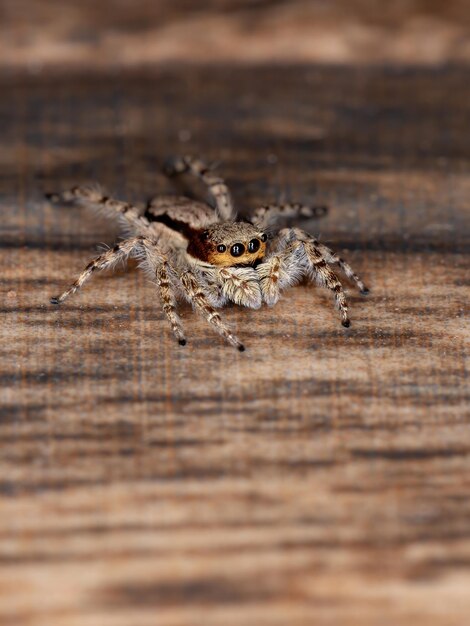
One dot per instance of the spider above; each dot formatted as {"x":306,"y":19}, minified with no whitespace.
{"x":203,"y":254}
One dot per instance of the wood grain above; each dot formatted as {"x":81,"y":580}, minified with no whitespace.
{"x":112,"y":33}
{"x":322,"y":477}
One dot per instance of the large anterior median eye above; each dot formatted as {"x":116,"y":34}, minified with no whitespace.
{"x":254,"y":245}
{"x":237,"y":249}
{"x":221,"y":248}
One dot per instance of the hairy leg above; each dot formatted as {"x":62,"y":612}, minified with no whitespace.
{"x":93,"y":198}
{"x":297,"y":254}
{"x":108,"y":259}
{"x":241,"y":286}
{"x":202,"y":171}
{"x":234,"y":284}
{"x":324,"y":276}
{"x":332,"y":258}
{"x":201,"y":303}
{"x":168,"y":297}
{"x":266,"y":216}
{"x":284,"y":266}
{"x":152,"y":260}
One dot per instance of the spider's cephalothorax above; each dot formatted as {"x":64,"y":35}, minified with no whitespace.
{"x":205,"y":255}
{"x":228,"y":244}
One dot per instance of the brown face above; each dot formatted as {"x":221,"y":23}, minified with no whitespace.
{"x":225,"y":245}
{"x":239,"y":252}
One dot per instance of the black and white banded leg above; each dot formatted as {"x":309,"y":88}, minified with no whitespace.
{"x":93,"y":198}
{"x":265,"y":216}
{"x":108,"y":259}
{"x":332,"y":258}
{"x":168,"y":298}
{"x":297,"y":254}
{"x":216,"y":185}
{"x":201,"y":303}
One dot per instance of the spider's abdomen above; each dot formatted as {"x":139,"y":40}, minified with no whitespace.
{"x":181,"y":211}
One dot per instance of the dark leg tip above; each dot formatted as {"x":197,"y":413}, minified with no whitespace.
{"x":169,"y":167}
{"x":320,"y":211}
{"x":55,"y":300}
{"x":182,"y":342}
{"x":51,"y":196}
{"x":168,"y":171}
{"x":365,"y":291}
{"x":346,"y":323}
{"x":241,"y":348}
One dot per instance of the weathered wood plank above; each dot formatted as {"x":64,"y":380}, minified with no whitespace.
{"x":323,"y":475}
{"x":112,"y":33}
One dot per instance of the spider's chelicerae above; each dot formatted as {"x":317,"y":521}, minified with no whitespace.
{"x":205,"y":255}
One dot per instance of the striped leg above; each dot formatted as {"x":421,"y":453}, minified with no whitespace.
{"x":266,"y":216}
{"x":215,"y":184}
{"x":297,"y":254}
{"x":332,"y":258}
{"x":325,"y":277}
{"x":281,"y":269}
{"x":319,"y":271}
{"x":93,"y":198}
{"x":200,"y":301}
{"x":168,"y":298}
{"x":104,"y":261}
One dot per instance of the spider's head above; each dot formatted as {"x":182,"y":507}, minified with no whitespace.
{"x":228,"y":244}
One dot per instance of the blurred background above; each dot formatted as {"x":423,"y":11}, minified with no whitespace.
{"x":43,"y":33}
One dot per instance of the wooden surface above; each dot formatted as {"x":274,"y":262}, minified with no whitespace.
{"x":116,"y":33}
{"x":322,"y":477}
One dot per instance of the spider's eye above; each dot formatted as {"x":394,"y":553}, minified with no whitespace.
{"x":264,"y":237}
{"x":205,"y":235}
{"x":221,"y":248}
{"x":237,"y":249}
{"x":254,"y":245}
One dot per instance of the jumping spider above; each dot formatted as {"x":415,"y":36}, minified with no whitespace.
{"x":204,"y":255}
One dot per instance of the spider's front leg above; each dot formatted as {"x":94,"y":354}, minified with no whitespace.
{"x":201,"y":302}
{"x":282,"y":268}
{"x":152,"y":259}
{"x":166,"y":287}
{"x":233,"y":284}
{"x":296,"y":254}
